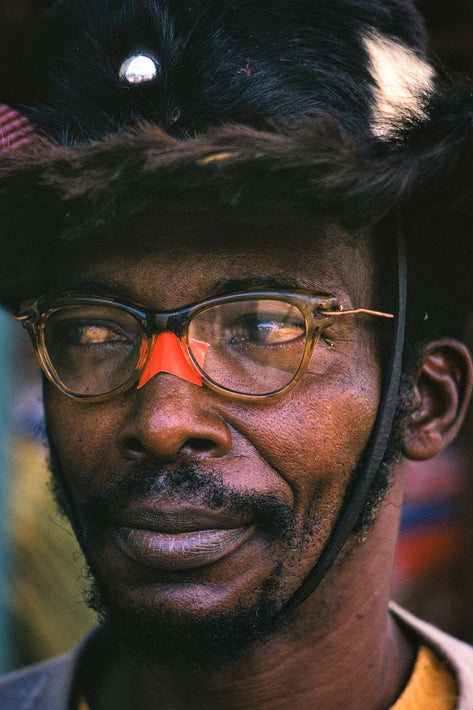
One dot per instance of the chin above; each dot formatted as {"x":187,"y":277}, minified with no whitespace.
{"x":201,"y":636}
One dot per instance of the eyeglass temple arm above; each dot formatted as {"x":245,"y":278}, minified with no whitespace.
{"x":354,"y":311}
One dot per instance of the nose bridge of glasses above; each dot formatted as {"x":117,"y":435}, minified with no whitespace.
{"x":167,"y":356}
{"x":161,"y":322}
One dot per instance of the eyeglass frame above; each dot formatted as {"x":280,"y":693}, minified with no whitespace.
{"x":34,"y":313}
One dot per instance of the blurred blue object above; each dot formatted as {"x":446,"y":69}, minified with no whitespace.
{"x":7,"y":341}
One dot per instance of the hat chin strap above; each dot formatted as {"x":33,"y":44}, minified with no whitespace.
{"x":359,"y":488}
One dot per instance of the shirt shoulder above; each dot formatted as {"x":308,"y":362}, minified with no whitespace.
{"x":457,"y":655}
{"x":45,"y":686}
{"x":50,"y":685}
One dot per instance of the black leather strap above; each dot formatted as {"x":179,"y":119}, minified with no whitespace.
{"x":377,"y":445}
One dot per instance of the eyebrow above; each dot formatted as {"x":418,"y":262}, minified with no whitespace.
{"x":117,"y":289}
{"x":100,"y":287}
{"x":281,"y":281}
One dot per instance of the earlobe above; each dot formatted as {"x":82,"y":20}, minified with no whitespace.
{"x":442,"y":391}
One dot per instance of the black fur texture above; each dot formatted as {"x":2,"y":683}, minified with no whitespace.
{"x":84,"y":195}
{"x":260,"y":107}
{"x":251,"y":61}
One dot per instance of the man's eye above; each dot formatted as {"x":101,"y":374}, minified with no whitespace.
{"x":90,"y":334}
{"x":266,"y":330}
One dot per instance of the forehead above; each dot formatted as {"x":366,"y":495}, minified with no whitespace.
{"x":182,"y":258}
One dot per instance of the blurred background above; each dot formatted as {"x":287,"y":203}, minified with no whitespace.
{"x":41,"y":608}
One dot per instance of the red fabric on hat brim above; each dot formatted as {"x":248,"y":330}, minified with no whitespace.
{"x":15,"y":129}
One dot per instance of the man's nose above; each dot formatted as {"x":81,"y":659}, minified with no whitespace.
{"x":171,"y":417}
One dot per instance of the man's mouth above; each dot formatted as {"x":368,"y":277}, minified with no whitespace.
{"x":180,"y":539}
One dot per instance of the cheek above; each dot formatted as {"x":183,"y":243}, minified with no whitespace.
{"x":315,"y":435}
{"x":83,"y":436}
{"x":311,"y":441}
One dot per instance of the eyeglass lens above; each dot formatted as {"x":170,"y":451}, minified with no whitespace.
{"x":254,"y":347}
{"x":93,"y":349}
{"x":250,"y":347}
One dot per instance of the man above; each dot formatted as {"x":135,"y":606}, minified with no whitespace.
{"x":217,"y":299}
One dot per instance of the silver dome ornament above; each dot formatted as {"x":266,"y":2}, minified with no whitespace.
{"x":139,"y":69}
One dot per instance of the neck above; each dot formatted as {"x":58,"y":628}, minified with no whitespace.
{"x":341,"y":638}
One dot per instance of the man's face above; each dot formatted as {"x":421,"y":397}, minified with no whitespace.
{"x":195,"y":507}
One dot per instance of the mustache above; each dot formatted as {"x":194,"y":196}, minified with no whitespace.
{"x":193,"y":483}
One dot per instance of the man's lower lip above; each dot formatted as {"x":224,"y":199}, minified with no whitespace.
{"x":180,"y":551}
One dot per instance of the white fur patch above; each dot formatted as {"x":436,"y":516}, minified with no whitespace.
{"x":402,"y":80}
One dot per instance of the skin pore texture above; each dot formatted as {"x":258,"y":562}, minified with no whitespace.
{"x":273,"y":472}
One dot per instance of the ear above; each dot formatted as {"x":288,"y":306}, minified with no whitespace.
{"x":441,"y":394}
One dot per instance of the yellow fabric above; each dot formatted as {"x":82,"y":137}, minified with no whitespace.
{"x":432,"y":685}
{"x":46,"y":582}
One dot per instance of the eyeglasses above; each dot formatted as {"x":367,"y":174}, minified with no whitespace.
{"x":249,"y":345}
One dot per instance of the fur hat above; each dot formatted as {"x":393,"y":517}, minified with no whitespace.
{"x":322,"y":108}
{"x":218,"y":61}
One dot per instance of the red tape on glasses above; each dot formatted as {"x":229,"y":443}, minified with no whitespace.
{"x":167,"y":356}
